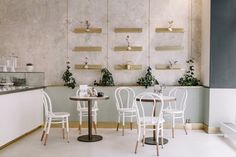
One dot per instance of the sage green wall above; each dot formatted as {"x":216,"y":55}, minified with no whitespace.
{"x":107,"y":109}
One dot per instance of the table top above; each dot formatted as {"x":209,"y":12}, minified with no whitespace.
{"x":165,"y":99}
{"x":80,"y":98}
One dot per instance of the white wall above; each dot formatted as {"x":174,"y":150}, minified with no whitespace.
{"x":205,"y":55}
{"x":222,"y":106}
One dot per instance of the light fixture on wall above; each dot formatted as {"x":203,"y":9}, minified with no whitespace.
{"x":170,"y":25}
{"x":128,"y":42}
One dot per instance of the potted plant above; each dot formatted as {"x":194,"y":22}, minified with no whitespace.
{"x":29,"y":67}
{"x":189,"y":79}
{"x":68,"y":77}
{"x":148,"y":79}
{"x":107,"y":78}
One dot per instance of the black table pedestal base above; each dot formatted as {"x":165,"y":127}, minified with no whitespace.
{"x":151,"y":141}
{"x":85,"y":138}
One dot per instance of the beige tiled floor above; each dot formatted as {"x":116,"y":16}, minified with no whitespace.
{"x":196,"y":144}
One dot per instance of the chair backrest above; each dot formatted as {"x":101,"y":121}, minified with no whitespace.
{"x":47,"y":104}
{"x":124,"y":97}
{"x":153,"y":108}
{"x":82,"y":104}
{"x":181,"y":95}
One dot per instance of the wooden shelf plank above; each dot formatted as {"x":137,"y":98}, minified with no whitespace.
{"x":125,"y":67}
{"x":89,"y":66}
{"x":166,"y":30}
{"x":128,"y":30}
{"x":169,"y":48}
{"x":166,"y":67}
{"x":90,"y":30}
{"x":125,"y":48}
{"x":88,"y":49}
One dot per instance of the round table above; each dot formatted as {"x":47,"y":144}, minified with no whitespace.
{"x":89,"y":137}
{"x":152,"y":140}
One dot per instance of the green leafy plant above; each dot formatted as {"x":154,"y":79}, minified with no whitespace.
{"x":68,"y":78}
{"x":107,"y":78}
{"x":189,"y":79}
{"x":148,"y":79}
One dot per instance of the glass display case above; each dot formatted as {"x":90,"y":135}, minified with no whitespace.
{"x":20,"y":80}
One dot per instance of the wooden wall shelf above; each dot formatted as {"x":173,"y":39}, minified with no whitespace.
{"x":89,"y":66}
{"x":166,"y":30}
{"x":128,"y":30}
{"x":126,"y":67}
{"x":169,"y":48}
{"x":88,"y":49}
{"x":125,"y":48}
{"x":90,"y":30}
{"x":166,"y":67}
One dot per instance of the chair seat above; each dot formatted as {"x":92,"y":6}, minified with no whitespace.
{"x":151,"y":120}
{"x":59,"y":114}
{"x":126,"y":110}
{"x":172,"y":111}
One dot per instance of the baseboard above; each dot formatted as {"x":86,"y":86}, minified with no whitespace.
{"x":211,"y":130}
{"x":74,"y":124}
{"x":20,"y":137}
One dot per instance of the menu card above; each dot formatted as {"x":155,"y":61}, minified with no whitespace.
{"x":83,"y":90}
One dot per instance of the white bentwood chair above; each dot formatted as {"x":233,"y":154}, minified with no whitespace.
{"x":53,"y":118}
{"x":176,"y":109}
{"x":82,"y":108}
{"x":149,"y":118}
{"x":125,"y":105}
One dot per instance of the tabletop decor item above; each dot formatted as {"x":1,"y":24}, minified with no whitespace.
{"x":68,"y":78}
{"x":128,"y":43}
{"x":148,"y":79}
{"x":107,"y":78}
{"x":29,"y":67}
{"x":189,"y":79}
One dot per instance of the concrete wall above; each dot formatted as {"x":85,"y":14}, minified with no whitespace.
{"x":107,"y":108}
{"x":36,"y":31}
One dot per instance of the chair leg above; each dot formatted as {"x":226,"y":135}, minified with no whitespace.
{"x":80,"y":122}
{"x":157,"y":138}
{"x":123,"y":124}
{"x":136,"y":147}
{"x":44,"y":130}
{"x":131,"y":122}
{"x":139,"y":134}
{"x":67,"y":129}
{"x":131,"y":125}
{"x":95,"y":127}
{"x":157,"y":146}
{"x":173,"y":126}
{"x":162,"y":134}
{"x":184,"y":126}
{"x":48,"y":129}
{"x":63,"y":129}
{"x":123,"y":130}
{"x":117,"y":127}
{"x":143,"y":140}
{"x":118,"y":123}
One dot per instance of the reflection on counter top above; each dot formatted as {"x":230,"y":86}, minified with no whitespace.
{"x":15,"y":89}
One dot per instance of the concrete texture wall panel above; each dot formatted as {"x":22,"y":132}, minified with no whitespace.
{"x":96,"y":13}
{"x":160,"y":13}
{"x":36,"y":31}
{"x":127,"y":13}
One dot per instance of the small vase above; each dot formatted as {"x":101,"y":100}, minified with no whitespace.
{"x":29,"y":68}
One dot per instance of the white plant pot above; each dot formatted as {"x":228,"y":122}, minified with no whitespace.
{"x":29,"y":68}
